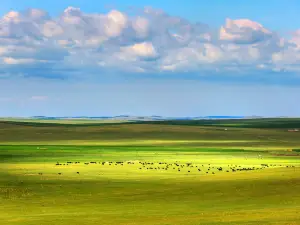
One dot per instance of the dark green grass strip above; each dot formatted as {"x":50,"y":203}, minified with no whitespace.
{"x":242,"y":123}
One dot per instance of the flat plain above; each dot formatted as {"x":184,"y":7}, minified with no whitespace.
{"x":160,"y":172}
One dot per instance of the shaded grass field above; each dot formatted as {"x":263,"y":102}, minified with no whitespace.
{"x":147,"y":134}
{"x":259,"y":182}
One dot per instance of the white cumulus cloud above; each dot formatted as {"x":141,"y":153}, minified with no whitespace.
{"x":34,"y":44}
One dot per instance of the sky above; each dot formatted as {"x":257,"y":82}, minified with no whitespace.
{"x":142,"y":58}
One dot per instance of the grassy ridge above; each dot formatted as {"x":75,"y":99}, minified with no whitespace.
{"x":242,"y":123}
{"x":275,"y":123}
{"x":150,"y":134}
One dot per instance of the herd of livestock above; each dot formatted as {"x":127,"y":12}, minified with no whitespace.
{"x":179,"y":167}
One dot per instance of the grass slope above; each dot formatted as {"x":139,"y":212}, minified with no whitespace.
{"x":146,"y":134}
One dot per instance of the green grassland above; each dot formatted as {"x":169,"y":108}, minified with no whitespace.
{"x":153,"y":173}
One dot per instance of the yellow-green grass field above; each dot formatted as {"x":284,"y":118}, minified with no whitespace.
{"x":148,"y":174}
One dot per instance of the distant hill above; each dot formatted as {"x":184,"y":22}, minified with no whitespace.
{"x":128,"y":117}
{"x":135,"y":118}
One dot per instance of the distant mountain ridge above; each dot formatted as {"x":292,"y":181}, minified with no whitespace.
{"x":136,"y":118}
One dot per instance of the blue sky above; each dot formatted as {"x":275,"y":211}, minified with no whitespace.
{"x":274,"y":14}
{"x":192,"y":58}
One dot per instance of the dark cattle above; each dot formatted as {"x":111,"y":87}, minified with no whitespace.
{"x":59,"y":173}
{"x":77,"y":172}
